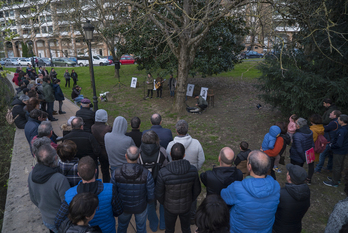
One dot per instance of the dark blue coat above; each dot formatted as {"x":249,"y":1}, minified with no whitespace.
{"x":330,"y":130}
{"x":302,"y":141}
{"x":135,"y":186}
{"x":30,"y":129}
{"x":340,"y":143}
{"x":165,"y":135}
{"x":58,"y":94}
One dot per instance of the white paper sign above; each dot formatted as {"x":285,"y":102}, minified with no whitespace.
{"x":134,"y":82}
{"x":190,"y":88}
{"x":154,"y":85}
{"x":204,"y":92}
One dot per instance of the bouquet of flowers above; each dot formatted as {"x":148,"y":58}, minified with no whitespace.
{"x":102,"y":97}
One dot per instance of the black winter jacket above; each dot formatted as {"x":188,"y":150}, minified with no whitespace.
{"x":135,"y":186}
{"x":178,"y":186}
{"x":293,"y":205}
{"x":18,"y":110}
{"x":302,"y":141}
{"x":88,"y":117}
{"x":86,"y":143}
{"x":219,"y":178}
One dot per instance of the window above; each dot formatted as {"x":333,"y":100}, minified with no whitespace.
{"x":25,"y":31}
{"x":49,"y":18}
{"x":6,"y":14}
{"x":1,"y":14}
{"x":50,"y":29}
{"x":15,"y":31}
{"x":44,"y":29}
{"x":11,"y":13}
{"x":42,"y":19}
{"x":36,"y":30}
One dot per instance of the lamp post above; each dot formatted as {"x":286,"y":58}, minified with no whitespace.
{"x":89,"y":28}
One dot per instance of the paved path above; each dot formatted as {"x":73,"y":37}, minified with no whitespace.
{"x":21,"y":215}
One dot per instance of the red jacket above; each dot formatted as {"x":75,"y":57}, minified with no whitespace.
{"x":15,"y":79}
{"x":278,"y":145}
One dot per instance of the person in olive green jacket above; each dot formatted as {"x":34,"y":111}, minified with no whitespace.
{"x":49,"y":97}
{"x":149,"y":83}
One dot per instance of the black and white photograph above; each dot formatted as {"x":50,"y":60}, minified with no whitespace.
{"x":190,"y":88}
{"x":134,"y":82}
{"x":204,"y":92}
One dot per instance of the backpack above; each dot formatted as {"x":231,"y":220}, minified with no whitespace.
{"x":9,"y":116}
{"x":320,"y":144}
{"x":153,"y":167}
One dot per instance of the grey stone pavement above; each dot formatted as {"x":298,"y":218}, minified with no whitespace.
{"x":21,"y":215}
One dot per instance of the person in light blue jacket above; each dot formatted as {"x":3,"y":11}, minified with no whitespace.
{"x":270,"y":138}
{"x":255,"y":199}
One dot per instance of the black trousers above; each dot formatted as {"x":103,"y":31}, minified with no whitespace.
{"x":148,"y":92}
{"x":67,"y":82}
{"x":104,"y":164}
{"x":310,"y":167}
{"x":159,"y":91}
{"x":170,"y":220}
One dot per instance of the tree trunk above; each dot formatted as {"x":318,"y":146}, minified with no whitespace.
{"x":183,"y":71}
{"x":117,"y":71}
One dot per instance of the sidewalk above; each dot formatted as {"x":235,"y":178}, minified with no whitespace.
{"x":21,"y":215}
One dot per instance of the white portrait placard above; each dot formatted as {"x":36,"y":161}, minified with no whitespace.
{"x":134,"y":82}
{"x":204,"y":92}
{"x":190,"y":88}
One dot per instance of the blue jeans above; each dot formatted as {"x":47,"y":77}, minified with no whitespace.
{"x":326,"y":153}
{"x":50,"y":110}
{"x":78,"y":99}
{"x":152,"y":216}
{"x":140,"y":220}
{"x":51,"y":227}
{"x":172,"y":93}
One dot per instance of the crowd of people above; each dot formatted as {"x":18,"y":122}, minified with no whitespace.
{"x":149,"y":170}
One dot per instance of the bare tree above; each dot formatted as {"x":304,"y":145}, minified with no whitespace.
{"x":184,"y":24}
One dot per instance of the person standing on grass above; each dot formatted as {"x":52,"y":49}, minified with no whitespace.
{"x":339,"y":147}
{"x":67,"y":78}
{"x":149,"y":83}
{"x":74,"y":77}
{"x":53,"y":74}
{"x":58,"y":94}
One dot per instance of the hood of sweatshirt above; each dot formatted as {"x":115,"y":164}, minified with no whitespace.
{"x":149,"y":149}
{"x":17,"y":102}
{"x":101,"y":116}
{"x":185,"y":140}
{"x":41,"y":173}
{"x":120,"y":125}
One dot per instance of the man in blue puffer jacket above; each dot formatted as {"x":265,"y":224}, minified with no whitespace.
{"x":136,"y":187}
{"x":339,"y":147}
{"x":254,"y":200}
{"x":110,"y":205}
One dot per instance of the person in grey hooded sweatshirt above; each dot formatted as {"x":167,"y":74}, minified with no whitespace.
{"x":117,"y":143}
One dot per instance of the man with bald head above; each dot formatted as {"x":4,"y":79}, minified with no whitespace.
{"x":255,"y":199}
{"x":165,"y":135}
{"x":222,"y":176}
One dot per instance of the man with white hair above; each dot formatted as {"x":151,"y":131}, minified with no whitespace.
{"x":47,"y":186}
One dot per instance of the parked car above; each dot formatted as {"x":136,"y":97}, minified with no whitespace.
{"x":2,"y":61}
{"x":251,"y":54}
{"x":127,"y":59}
{"x":74,"y":59}
{"x":63,"y":62}
{"x":23,"y":61}
{"x":11,"y":62}
{"x":108,"y":57}
{"x":44,"y":61}
{"x":99,"y":60}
